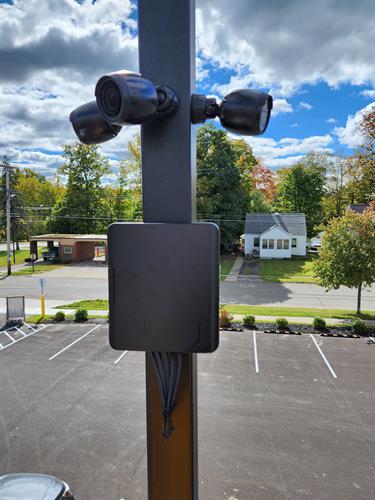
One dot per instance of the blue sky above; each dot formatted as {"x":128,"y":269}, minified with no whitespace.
{"x":315,"y":57}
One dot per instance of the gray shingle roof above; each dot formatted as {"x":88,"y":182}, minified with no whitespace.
{"x":294,"y":224}
{"x":359,"y":208}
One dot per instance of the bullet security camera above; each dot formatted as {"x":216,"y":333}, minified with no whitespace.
{"x":122,"y":98}
{"x":128,"y":98}
{"x":243,"y":112}
{"x":90,"y":126}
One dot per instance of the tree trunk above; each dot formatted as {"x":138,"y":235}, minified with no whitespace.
{"x":359,"y":299}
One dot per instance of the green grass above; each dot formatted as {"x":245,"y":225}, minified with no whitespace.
{"x":37,"y":318}
{"x":226,"y":264}
{"x":294,"y":270}
{"x":90,"y":305}
{"x":20,"y":257}
{"x":297,"y":312}
{"x":102,"y":305}
{"x":37,"y":269}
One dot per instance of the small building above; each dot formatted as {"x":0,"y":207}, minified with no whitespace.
{"x":275,"y":236}
{"x":70,"y":247}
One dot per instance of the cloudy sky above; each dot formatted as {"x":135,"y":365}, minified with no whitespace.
{"x":316,"y":57}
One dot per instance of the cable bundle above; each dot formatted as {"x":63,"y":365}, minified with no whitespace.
{"x":167,"y":367}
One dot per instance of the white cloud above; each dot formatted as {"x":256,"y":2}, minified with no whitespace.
{"x":294,"y":125}
{"x":334,"y":47}
{"x":52,"y":53}
{"x":370,"y":94}
{"x":351,"y":135}
{"x":331,"y":120}
{"x":289,"y":150}
{"x":305,"y":105}
{"x":281,"y":106}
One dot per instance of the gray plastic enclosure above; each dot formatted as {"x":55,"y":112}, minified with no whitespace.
{"x":164,"y":287}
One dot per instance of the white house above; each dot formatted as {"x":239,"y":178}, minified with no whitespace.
{"x":275,"y":236}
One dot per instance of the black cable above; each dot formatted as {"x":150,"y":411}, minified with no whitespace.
{"x":167,"y":367}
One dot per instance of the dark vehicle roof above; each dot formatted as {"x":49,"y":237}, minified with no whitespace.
{"x":30,"y":487}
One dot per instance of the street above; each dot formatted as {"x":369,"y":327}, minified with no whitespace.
{"x":89,"y":281}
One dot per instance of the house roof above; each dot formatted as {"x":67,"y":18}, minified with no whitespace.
{"x":359,"y":208}
{"x":294,"y":224}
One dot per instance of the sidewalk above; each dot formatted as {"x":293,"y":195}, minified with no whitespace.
{"x":235,"y":271}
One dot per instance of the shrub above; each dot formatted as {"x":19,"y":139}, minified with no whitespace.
{"x":282,"y":323}
{"x":319,"y":324}
{"x":359,"y":327}
{"x":81,"y":315}
{"x":249,"y":321}
{"x":225,"y":319}
{"x":59,"y":316}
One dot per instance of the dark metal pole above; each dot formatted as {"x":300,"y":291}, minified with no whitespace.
{"x":167,"y":57}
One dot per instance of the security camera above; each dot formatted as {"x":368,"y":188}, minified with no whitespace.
{"x":243,"y":112}
{"x":90,"y":126}
{"x":125,"y":98}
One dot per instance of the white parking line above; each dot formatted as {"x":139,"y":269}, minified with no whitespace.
{"x":255,"y":352}
{"x":325,"y":359}
{"x":119,"y":359}
{"x":70,"y":345}
{"x":2,"y":347}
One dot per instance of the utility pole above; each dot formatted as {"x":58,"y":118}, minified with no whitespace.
{"x":7,"y":204}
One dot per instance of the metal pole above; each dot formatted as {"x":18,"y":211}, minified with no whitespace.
{"x":7,"y":202}
{"x":167,"y":57}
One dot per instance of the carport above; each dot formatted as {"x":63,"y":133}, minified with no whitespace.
{"x":72,"y":247}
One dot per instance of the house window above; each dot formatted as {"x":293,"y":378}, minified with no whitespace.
{"x":271,"y":244}
{"x":264,"y":243}
{"x":256,"y":242}
{"x":286,"y":244}
{"x":294,"y":242}
{"x":68,"y":250}
{"x":279,"y":244}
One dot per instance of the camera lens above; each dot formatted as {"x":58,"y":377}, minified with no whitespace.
{"x":111,"y":98}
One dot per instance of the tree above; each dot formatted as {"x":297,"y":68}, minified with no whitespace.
{"x":347,"y":254}
{"x":264,"y":181}
{"x":337,"y":197}
{"x":84,"y":206}
{"x":129,"y":201}
{"x":16,"y":212}
{"x":361,"y":185}
{"x":222,"y":194}
{"x":300,"y":189}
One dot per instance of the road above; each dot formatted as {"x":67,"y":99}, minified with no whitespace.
{"x":90,"y":282}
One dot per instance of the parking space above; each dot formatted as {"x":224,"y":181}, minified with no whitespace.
{"x":274,"y":422}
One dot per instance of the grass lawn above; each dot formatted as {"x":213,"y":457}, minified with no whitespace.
{"x":20,"y":257}
{"x":90,"y":305}
{"x":37,"y":318}
{"x":37,"y":269}
{"x":102,"y":305}
{"x":297,"y":312}
{"x":294,"y":270}
{"x":226,"y":263}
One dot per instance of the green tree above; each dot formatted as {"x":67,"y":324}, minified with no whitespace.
{"x":300,"y":189}
{"x":222,"y":190}
{"x":361,"y":185}
{"x":347,"y":254}
{"x":129,"y":197}
{"x":84,"y":206}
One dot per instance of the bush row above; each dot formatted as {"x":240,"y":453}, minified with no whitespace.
{"x":80,"y":316}
{"x":226,"y":319}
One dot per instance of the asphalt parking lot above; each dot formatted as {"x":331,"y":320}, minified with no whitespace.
{"x":280,"y":416}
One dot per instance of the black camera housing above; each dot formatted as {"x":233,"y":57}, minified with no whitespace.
{"x":90,"y":126}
